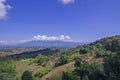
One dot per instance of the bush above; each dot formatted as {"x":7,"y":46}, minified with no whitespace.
{"x":69,"y":76}
{"x":102,"y":54}
{"x":83,"y":51}
{"x":43,"y":72}
{"x":64,"y":59}
{"x":7,"y":69}
{"x":27,"y":76}
{"x":42,"y":60}
{"x":112,"y":67}
{"x":78,"y":63}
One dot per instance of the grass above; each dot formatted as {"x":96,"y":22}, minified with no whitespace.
{"x":56,"y":73}
{"x":23,"y":65}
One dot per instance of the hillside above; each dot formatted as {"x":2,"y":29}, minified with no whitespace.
{"x":94,"y":54}
{"x":95,"y":61}
{"x":56,"y":73}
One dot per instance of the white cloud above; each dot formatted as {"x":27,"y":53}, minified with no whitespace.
{"x":3,"y":9}
{"x":52,"y":38}
{"x":67,"y":1}
{"x":38,"y":37}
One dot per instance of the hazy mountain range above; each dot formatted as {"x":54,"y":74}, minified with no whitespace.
{"x":43,"y":44}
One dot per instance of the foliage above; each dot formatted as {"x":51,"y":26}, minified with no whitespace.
{"x":85,"y":77}
{"x":27,"y":76}
{"x":78,"y":63}
{"x":103,"y":53}
{"x":7,"y":69}
{"x":43,"y":72}
{"x":69,"y":76}
{"x":33,"y":54}
{"x":84,"y":49}
{"x":106,"y":48}
{"x":112,"y":67}
{"x":64,"y":59}
{"x":42,"y":60}
{"x":110,"y":43}
{"x":86,"y":71}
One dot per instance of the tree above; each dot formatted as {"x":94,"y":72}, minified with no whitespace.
{"x":85,"y":77}
{"x":78,"y":63}
{"x":112,"y":67}
{"x":7,"y":69}
{"x":26,"y":76}
{"x":69,"y":76}
{"x":84,"y":50}
{"x":64,"y":59}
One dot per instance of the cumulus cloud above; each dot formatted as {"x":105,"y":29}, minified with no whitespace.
{"x":39,"y":37}
{"x":67,"y":1}
{"x":3,"y":9}
{"x":52,"y":38}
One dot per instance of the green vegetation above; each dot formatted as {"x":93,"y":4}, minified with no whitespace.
{"x":42,"y":60}
{"x":95,"y":61}
{"x":112,"y":67}
{"x":64,"y":59}
{"x":56,"y":73}
{"x":33,"y":54}
{"x":7,"y":69}
{"x":42,"y":72}
{"x":86,"y":69}
{"x":26,"y":76}
{"x":69,"y":76}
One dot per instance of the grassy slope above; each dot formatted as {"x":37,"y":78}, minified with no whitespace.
{"x":56,"y":73}
{"x":23,"y":65}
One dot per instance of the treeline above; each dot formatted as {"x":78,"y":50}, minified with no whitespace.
{"x":33,"y":54}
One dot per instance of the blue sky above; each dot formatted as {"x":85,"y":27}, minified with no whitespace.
{"x":77,"y":20}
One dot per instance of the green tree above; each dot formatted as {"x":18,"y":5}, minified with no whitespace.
{"x":78,"y":63}
{"x":69,"y":76}
{"x":85,"y":77}
{"x":64,"y":59}
{"x":112,"y":67}
{"x":26,"y":76}
{"x":83,"y":51}
{"x":7,"y":69}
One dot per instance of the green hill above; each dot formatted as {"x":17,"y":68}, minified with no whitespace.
{"x":56,"y":73}
{"x":95,"y":61}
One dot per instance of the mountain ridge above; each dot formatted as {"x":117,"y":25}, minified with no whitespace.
{"x":44,"y":44}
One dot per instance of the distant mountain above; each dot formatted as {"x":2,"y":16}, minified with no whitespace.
{"x":48,"y":44}
{"x":44,"y":44}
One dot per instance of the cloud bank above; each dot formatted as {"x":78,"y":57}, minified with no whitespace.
{"x":39,"y":37}
{"x":67,"y":1}
{"x":3,"y":9}
{"x":52,"y":38}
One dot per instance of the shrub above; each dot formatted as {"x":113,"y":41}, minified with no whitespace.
{"x":64,"y":59}
{"x":26,"y":76}
{"x":69,"y":76}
